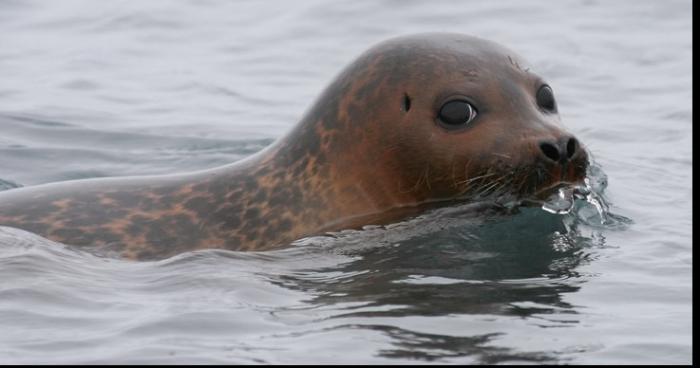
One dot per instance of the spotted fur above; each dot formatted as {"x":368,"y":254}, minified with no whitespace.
{"x":358,"y":156}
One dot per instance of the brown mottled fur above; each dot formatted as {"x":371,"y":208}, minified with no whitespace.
{"x":357,"y":156}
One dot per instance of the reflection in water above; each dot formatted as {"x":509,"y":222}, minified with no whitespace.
{"x":411,"y":345}
{"x":495,"y":264}
{"x":431,"y":347}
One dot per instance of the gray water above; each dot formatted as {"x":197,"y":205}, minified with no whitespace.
{"x":94,"y":88}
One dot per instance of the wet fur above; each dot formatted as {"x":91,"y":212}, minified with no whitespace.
{"x":356,"y":157}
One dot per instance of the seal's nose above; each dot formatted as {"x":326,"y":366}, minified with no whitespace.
{"x":560,"y":151}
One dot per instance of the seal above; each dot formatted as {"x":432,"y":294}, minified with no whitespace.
{"x":416,"y":121}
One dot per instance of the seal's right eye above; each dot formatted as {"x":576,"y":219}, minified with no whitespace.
{"x":457,"y":113}
{"x":545,"y":98}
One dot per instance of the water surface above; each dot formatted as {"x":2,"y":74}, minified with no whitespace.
{"x":94,"y":89}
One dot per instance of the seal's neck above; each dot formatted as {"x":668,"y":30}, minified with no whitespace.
{"x":301,"y":185}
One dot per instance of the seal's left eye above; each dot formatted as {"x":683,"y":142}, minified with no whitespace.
{"x":457,"y":113}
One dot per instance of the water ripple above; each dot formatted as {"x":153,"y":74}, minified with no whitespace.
{"x":131,"y":88}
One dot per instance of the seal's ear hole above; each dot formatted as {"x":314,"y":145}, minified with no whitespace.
{"x":406,"y":103}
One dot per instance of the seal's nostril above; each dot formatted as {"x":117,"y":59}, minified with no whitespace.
{"x":571,"y":147}
{"x":550,"y":151}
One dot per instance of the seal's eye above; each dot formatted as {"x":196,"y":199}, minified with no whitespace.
{"x":457,"y":113}
{"x":545,"y":98}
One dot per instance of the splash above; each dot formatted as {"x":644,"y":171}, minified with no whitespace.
{"x":564,"y":200}
{"x":587,"y":201}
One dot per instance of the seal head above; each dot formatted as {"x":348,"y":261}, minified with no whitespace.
{"x":438,"y":117}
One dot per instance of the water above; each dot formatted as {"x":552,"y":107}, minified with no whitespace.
{"x":94,"y":89}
